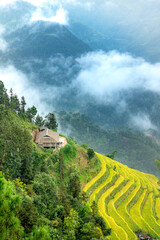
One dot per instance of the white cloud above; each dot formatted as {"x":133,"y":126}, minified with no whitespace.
{"x":6,"y":2}
{"x":38,"y":3}
{"x":44,"y":10}
{"x":61,"y":16}
{"x":107,"y":74}
{"x":110,"y":4}
{"x":142,"y":122}
{"x":13,"y":78}
{"x":103,"y":76}
{"x":3,"y":43}
{"x":41,"y":3}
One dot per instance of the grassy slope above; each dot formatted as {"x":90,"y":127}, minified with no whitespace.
{"x":15,"y":119}
{"x":128,"y":203}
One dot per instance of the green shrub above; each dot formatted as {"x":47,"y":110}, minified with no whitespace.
{"x":100,"y":221}
{"x":84,"y":145}
{"x":90,"y":153}
{"x":69,"y":151}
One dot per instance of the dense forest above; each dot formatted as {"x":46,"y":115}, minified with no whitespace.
{"x":40,"y":189}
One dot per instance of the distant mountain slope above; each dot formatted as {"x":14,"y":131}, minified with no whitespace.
{"x":44,"y":40}
{"x":93,"y":38}
{"x":45,"y":51}
{"x":134,"y":148}
{"x":127,"y":199}
{"x":115,"y":38}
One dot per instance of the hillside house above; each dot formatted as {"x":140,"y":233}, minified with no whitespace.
{"x":48,"y":139}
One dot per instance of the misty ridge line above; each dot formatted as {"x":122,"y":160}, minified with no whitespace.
{"x":137,"y":15}
{"x":102,"y":76}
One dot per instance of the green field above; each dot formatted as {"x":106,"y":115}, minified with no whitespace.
{"x":127,"y":199}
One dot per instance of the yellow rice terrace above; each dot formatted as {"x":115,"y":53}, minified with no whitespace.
{"x":128,"y":200}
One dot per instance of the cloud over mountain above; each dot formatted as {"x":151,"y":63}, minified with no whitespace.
{"x":107,"y":74}
{"x":22,"y":86}
{"x":61,"y":16}
{"x":108,"y":79}
{"x":102,"y":77}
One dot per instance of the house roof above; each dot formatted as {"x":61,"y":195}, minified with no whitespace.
{"x":45,"y":132}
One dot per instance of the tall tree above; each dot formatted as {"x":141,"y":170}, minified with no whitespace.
{"x":23,"y":105}
{"x":11,"y":94}
{"x":94,"y":208}
{"x":50,"y":121}
{"x":61,"y":166}
{"x":15,"y":147}
{"x":46,"y":194}
{"x":14,"y":102}
{"x":74,"y":185}
{"x":39,"y":121}
{"x":71,"y":223}
{"x":31,"y":113}
{"x":4,"y":99}
{"x":28,"y":213}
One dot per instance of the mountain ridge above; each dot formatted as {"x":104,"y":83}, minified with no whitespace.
{"x":31,"y":41}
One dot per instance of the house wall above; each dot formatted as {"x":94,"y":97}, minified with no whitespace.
{"x":48,"y":141}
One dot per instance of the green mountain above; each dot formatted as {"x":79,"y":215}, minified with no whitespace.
{"x":96,"y":40}
{"x":44,"y":40}
{"x":40,"y":189}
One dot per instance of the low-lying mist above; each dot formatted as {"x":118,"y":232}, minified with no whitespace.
{"x":110,"y":80}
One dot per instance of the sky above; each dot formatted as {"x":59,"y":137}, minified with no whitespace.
{"x":124,"y":12}
{"x":61,"y":16}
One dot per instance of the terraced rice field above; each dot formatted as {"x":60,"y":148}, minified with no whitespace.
{"x":127,"y":199}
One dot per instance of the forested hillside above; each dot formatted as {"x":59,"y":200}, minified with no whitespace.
{"x":41,"y":190}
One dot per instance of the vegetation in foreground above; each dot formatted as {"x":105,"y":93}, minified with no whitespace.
{"x":40,"y":190}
